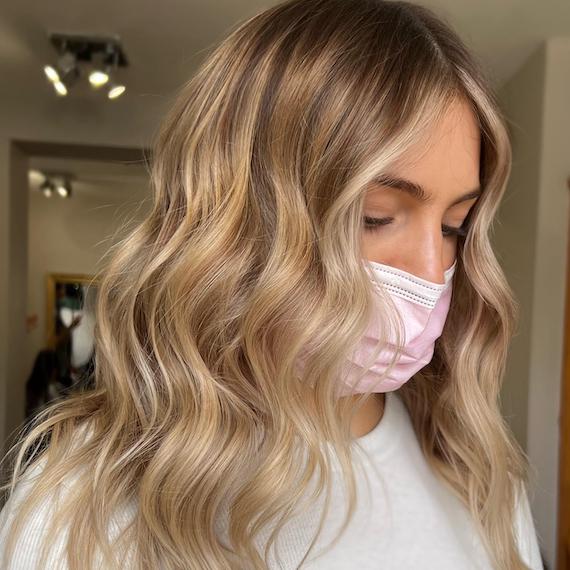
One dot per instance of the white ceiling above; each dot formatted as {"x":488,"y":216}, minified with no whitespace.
{"x":165,"y":40}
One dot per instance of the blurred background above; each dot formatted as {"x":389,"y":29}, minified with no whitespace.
{"x":83,"y":88}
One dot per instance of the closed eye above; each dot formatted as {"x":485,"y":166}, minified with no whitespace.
{"x":374,"y":224}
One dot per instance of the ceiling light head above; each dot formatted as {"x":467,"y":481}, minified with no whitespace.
{"x":63,"y":188}
{"x":116,"y":90}
{"x":36,"y":177}
{"x":62,"y":191}
{"x":51,"y":73}
{"x":64,"y":73}
{"x":98,"y":78}
{"x":60,"y":88}
{"x":47,"y":188}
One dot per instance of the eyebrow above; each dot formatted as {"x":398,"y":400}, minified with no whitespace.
{"x":417,"y":191}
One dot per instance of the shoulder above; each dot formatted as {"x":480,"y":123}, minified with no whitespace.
{"x":32,"y":536}
{"x":525,"y":529}
{"x":36,"y":533}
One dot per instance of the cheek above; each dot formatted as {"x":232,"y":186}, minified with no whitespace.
{"x":366,"y":246}
{"x":377,"y":245}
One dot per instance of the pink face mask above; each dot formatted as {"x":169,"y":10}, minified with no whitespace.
{"x":423,"y":307}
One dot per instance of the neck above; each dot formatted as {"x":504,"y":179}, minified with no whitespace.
{"x":369,"y":415}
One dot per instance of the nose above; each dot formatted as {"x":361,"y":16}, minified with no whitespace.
{"x":429,"y":254}
{"x":430,"y":270}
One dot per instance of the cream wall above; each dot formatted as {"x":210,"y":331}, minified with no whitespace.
{"x":514,"y":237}
{"x":531,"y":239}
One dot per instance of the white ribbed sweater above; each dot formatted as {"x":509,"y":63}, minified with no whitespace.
{"x":405,"y":519}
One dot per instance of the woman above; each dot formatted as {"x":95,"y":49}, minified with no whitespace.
{"x":292,"y":300}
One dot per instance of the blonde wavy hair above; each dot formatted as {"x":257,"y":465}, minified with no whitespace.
{"x":250,"y":257}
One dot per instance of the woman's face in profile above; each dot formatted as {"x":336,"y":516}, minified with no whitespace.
{"x":418,"y":235}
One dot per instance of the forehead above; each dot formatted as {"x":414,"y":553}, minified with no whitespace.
{"x":446,"y":157}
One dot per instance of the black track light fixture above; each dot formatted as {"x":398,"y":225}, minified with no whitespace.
{"x":102,"y":55}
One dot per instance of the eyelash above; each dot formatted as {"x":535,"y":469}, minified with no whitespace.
{"x":374,"y":224}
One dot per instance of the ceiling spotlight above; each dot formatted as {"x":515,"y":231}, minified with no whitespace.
{"x":64,"y":189}
{"x":110,"y":56}
{"x":60,"y":88}
{"x":65,"y":72}
{"x":98,"y":78}
{"x":116,"y":90}
{"x":47,"y":188}
{"x":51,"y":73}
{"x":36,"y":177}
{"x":96,"y":57}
